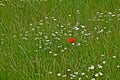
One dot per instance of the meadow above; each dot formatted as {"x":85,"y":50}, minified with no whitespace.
{"x":34,"y":39}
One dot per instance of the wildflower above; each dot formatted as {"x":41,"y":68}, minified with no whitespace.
{"x":62,"y":50}
{"x":58,"y":46}
{"x":31,"y":24}
{"x":102,"y":55}
{"x":79,"y":78}
{"x":75,"y":73}
{"x":40,"y":47}
{"x":114,"y":57}
{"x":33,"y":29}
{"x":61,"y":26}
{"x":100,"y":31}
{"x":100,"y":73}
{"x":53,"y":34}
{"x":25,"y":38}
{"x":72,"y":75}
{"x":83,"y":74}
{"x":96,"y":75}
{"x":69,"y":15}
{"x":71,"y":40}
{"x":100,"y":66}
{"x":46,"y":17}
{"x":50,"y":72}
{"x":78,"y":44}
{"x":68,"y":70}
{"x":50,"y":52}
{"x":71,"y":78}
{"x":118,"y":66}
{"x":54,"y":19}
{"x":78,"y":12}
{"x":97,"y":38}
{"x":70,"y":34}
{"x":109,"y":12}
{"x":77,"y":23}
{"x":65,"y":48}
{"x":104,"y":62}
{"x":55,"y":54}
{"x":82,"y":26}
{"x":91,"y":67}
{"x":58,"y":74}
{"x":76,"y":28}
{"x":73,"y":43}
{"x":64,"y":75}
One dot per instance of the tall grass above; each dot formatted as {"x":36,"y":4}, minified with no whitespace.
{"x":34,"y":40}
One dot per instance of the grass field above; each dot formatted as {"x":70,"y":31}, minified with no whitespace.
{"x":34,"y":39}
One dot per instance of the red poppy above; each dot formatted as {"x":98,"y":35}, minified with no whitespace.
{"x":71,"y":40}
